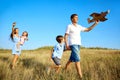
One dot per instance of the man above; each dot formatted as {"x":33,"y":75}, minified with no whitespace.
{"x":73,"y":34}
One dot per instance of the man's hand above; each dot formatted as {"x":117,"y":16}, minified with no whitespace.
{"x":96,"y":22}
{"x":67,"y":47}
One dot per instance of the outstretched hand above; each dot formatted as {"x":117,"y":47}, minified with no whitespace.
{"x":96,"y":22}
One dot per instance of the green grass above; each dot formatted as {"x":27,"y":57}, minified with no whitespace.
{"x":96,"y":64}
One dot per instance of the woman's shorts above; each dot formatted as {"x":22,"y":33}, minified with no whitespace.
{"x":16,"y":51}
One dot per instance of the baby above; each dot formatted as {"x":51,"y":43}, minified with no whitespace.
{"x":23,"y":38}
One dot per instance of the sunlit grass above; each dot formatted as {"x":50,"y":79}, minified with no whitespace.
{"x":96,"y":64}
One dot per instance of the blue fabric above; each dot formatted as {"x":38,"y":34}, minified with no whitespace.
{"x":58,"y":51}
{"x":75,"y":50}
{"x":14,"y":49}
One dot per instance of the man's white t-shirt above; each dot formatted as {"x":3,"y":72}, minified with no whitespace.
{"x":74,"y":34}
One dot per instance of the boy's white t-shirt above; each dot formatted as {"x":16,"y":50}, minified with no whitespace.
{"x":74,"y":34}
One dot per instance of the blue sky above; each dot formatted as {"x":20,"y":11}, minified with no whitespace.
{"x":45,"y":19}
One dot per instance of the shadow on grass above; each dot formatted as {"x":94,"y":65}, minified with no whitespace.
{"x":3,"y":58}
{"x":32,"y":63}
{"x":28,"y":62}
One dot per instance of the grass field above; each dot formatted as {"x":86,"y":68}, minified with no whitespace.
{"x":96,"y":64}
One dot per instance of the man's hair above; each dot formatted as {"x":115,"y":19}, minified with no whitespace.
{"x":72,"y":16}
{"x":59,"y":38}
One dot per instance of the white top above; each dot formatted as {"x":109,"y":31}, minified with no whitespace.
{"x":74,"y":34}
{"x":22,"y":39}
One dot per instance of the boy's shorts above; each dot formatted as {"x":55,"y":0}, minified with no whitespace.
{"x":56,"y":61}
{"x":75,"y":50}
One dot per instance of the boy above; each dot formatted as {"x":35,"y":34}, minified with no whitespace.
{"x":56,"y":54}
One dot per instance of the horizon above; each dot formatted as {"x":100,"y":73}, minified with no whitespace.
{"x":82,"y":47}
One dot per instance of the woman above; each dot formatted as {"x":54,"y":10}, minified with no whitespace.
{"x":18,"y":42}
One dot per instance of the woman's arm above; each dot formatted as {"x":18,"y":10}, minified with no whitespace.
{"x":13,"y":25}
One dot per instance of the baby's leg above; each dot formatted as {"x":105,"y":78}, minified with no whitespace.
{"x":18,"y":46}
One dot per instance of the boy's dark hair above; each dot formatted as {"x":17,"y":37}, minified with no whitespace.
{"x":72,"y":16}
{"x":59,"y":38}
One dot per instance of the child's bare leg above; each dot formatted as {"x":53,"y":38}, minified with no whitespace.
{"x":48,"y":70}
{"x":14,"y":61}
{"x":67,"y":65}
{"x":78,"y":68}
{"x":18,"y":45}
{"x":58,"y":68}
